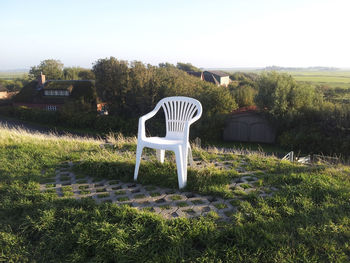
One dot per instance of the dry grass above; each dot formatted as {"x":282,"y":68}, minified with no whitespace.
{"x":23,"y":135}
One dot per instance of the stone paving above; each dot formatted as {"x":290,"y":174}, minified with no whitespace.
{"x":166,"y":202}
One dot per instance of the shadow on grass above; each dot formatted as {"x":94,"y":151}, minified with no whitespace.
{"x":209,"y":181}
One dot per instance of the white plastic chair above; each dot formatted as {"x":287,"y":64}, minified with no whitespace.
{"x":180,"y":113}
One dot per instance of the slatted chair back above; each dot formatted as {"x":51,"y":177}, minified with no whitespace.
{"x":180,"y":113}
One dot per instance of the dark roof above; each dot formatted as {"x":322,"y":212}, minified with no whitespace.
{"x":210,"y":77}
{"x":65,"y":84}
{"x":195,"y":73}
{"x":217,"y":73}
{"x":77,"y":88}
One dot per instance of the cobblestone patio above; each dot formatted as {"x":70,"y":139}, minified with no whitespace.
{"x":163,"y":201}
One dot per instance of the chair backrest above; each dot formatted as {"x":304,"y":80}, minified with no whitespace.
{"x":180,"y":113}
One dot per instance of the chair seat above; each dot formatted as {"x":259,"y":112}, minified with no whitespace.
{"x":162,"y":142}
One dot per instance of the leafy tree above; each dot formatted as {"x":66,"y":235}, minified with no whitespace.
{"x":71,"y":73}
{"x":78,"y":73}
{"x":51,"y":68}
{"x":283,"y":97}
{"x":187,"y":67}
{"x":112,"y":82}
{"x":166,"y":65}
{"x":244,"y":95}
{"x":86,"y":74}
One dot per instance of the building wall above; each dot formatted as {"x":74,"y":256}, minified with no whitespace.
{"x":249,"y":127}
{"x":225,"y":81}
{"x":38,"y":105}
{"x":3,"y":94}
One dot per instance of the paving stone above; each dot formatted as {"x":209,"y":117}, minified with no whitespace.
{"x":169,"y":203}
{"x":198,"y":201}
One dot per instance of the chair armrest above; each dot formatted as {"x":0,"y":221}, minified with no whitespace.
{"x":143,"y":119}
{"x":196,"y":118}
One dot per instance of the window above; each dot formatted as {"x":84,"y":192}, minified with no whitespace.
{"x":56,"y":93}
{"x":51,"y":107}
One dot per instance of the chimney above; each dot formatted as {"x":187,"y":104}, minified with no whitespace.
{"x":41,"y":79}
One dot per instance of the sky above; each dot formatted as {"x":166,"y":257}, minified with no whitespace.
{"x":206,"y":33}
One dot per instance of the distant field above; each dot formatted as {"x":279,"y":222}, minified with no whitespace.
{"x":13,"y":75}
{"x":333,"y":79}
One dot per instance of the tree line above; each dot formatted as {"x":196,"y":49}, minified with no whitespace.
{"x":303,"y":117}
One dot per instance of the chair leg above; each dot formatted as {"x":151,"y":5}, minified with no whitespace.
{"x":185,"y":162}
{"x":160,"y":155}
{"x":179,"y":166}
{"x":138,"y":160}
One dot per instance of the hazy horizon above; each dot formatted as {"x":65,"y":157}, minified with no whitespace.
{"x":220,"y":34}
{"x":20,"y":70}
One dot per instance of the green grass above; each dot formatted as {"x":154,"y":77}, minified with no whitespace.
{"x":189,"y":211}
{"x":175,"y":197}
{"x":65,"y":178}
{"x":329,"y":78}
{"x":220,"y":206}
{"x":82,"y":181}
{"x":307,"y":220}
{"x":120,"y":192}
{"x":154,"y":194}
{"x":164,"y":207}
{"x":197,"y":202}
{"x":181,"y":204}
{"x":245,"y":186}
{"x":235,"y":202}
{"x":123,"y":199}
{"x":103,"y":195}
{"x":139,"y":196}
{"x":150,"y":188}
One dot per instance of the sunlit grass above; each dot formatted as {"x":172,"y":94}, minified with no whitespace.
{"x":306,"y":220}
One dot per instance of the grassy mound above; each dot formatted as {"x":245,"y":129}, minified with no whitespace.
{"x":307,"y":220}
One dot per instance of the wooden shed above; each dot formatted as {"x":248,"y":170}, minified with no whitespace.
{"x":248,"y":125}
